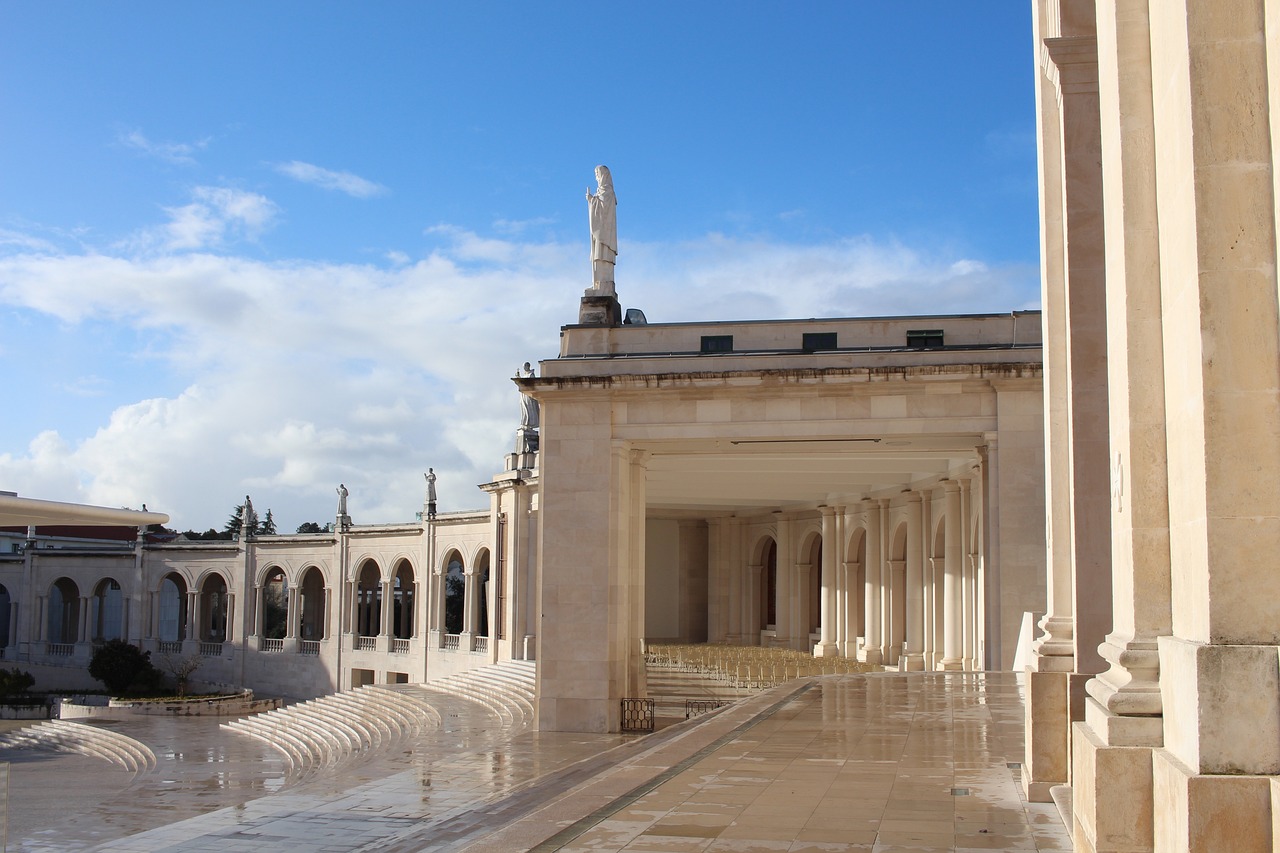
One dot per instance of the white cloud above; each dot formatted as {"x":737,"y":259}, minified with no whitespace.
{"x":216,"y":217}
{"x":300,"y":375}
{"x":178,"y":153}
{"x":346,"y":182}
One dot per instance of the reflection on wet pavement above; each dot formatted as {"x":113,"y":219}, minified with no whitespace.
{"x":879,"y":763}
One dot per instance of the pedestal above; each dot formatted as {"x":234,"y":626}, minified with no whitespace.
{"x":599,"y":310}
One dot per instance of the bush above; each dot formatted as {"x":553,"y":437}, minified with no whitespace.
{"x":124,"y":668}
{"x":15,"y":681}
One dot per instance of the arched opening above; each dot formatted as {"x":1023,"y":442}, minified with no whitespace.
{"x":855,"y":584}
{"x":369,"y":600}
{"x":5,"y":607}
{"x":455,"y":590}
{"x":814,"y":558}
{"x":403,"y":603}
{"x":64,"y":611}
{"x":275,"y":604}
{"x":173,"y":609}
{"x":312,"y":604}
{"x":213,"y":609}
{"x":107,"y":616}
{"x":482,"y":594}
{"x":769,"y":586}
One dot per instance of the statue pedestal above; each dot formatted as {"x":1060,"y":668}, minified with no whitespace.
{"x":599,"y":309}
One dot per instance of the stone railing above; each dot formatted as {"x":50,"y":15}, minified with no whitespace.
{"x":309,"y":647}
{"x":169,"y":647}
{"x":267,"y":644}
{"x":366,"y":644}
{"x":399,"y":646}
{"x":60,"y":650}
{"x":480,"y":644}
{"x":211,"y":650}
{"x":452,"y":641}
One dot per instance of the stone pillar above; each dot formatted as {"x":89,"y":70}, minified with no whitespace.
{"x":1215,"y":85}
{"x":913,"y":653}
{"x":872,"y":642}
{"x":1113,"y":746}
{"x":291,"y":619}
{"x":887,"y":634}
{"x":952,"y":588}
{"x":785,"y":626}
{"x":852,"y":612}
{"x":992,"y":600}
{"x":1076,"y":415}
{"x":229,"y":633}
{"x":589,"y":654}
{"x":827,"y":646}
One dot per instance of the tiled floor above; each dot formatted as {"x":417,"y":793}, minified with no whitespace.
{"x":889,"y":762}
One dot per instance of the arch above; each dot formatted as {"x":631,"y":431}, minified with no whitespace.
{"x":769,"y":584}
{"x":811,"y":554}
{"x":369,"y":599}
{"x":107,"y":615}
{"x":274,"y":604}
{"x":481,"y":580}
{"x":214,"y":609}
{"x":311,"y":604}
{"x":857,"y":584}
{"x":454,"y":581}
{"x":403,"y":588}
{"x":64,"y":611}
{"x":172,"y":618}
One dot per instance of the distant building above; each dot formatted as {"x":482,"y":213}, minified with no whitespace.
{"x":858,"y":487}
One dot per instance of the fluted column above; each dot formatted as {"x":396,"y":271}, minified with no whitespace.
{"x":952,"y":582}
{"x":874,"y":639}
{"x":827,"y":600}
{"x":913,"y":654}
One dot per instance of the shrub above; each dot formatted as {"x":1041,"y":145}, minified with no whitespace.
{"x":15,"y":681}
{"x":124,"y":668}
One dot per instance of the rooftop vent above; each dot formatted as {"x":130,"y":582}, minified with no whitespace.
{"x":717,"y":343}
{"x":814,"y":341}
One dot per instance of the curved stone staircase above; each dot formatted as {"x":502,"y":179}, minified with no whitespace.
{"x":341,"y":727}
{"x":83,"y":739}
{"x":333,"y":729}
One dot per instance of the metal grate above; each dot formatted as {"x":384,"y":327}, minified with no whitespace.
{"x":637,"y":715}
{"x":698,"y":707}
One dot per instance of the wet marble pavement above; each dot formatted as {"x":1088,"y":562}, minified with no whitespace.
{"x":881,"y":763}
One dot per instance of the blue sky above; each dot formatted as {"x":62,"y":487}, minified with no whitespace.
{"x":269,"y":247}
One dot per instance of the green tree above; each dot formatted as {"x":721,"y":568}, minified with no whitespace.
{"x":235,"y":522}
{"x":310,"y":527}
{"x":15,"y":681}
{"x":268,"y":526}
{"x":124,"y":668}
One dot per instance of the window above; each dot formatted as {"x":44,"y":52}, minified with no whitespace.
{"x":717,"y":343}
{"x":924,"y":338}
{"x":814,"y":341}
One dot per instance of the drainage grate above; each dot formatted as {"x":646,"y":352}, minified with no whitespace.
{"x":959,"y":792}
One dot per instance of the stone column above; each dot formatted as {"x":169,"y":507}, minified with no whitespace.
{"x":952,"y":588}
{"x":752,"y":604}
{"x":913,"y":653}
{"x":827,"y":646}
{"x":228,"y":634}
{"x":1077,"y":455}
{"x":872,"y":642}
{"x":1113,"y":746}
{"x":1215,"y":83}
{"x":785,"y":627}
{"x":887,"y":634}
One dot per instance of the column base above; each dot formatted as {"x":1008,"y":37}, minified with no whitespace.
{"x":951,"y":665}
{"x":872,"y":656}
{"x":1201,"y":812}
{"x":911,"y":662}
{"x":1112,"y":807}
{"x":826,"y":650}
{"x":1047,"y":742}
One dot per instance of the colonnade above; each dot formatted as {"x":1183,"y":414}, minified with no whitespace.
{"x":896,"y":581}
